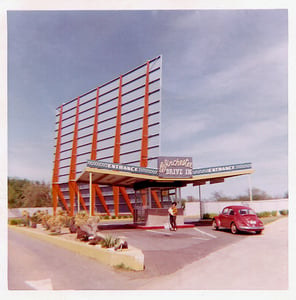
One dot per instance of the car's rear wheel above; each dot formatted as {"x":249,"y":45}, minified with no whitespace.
{"x":258,"y":231}
{"x":233,"y":228}
{"x":214,"y":225}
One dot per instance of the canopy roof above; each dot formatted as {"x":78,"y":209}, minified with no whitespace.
{"x":138,"y":177}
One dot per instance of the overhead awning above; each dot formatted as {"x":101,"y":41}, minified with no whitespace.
{"x":137,"y":177}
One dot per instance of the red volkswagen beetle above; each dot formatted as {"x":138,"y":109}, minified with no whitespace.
{"x":238,"y":218}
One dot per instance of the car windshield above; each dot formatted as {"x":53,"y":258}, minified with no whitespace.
{"x":246,"y":211}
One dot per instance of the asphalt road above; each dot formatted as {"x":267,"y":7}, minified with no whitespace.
{"x":173,"y":260}
{"x":259,"y":262}
{"x":166,"y":252}
{"x":34,"y":264}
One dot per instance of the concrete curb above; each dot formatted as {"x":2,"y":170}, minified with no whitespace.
{"x":131,"y":258}
{"x":145,"y":227}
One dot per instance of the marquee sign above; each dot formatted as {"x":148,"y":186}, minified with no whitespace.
{"x":169,"y":167}
{"x":121,"y":167}
{"x":227,"y":168}
{"x":175,"y":167}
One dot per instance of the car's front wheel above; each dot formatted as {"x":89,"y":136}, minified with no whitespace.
{"x":258,"y":231}
{"x":233,"y":228}
{"x":214,"y":225}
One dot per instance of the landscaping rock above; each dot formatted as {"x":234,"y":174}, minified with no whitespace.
{"x":95,"y":240}
{"x":82,"y":235}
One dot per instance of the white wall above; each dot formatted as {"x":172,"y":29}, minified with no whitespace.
{"x":18,"y":212}
{"x":193,"y":208}
{"x":258,"y":205}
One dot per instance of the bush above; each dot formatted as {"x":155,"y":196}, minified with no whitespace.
{"x":209,"y":216}
{"x":87,"y":223}
{"x":44,"y":220}
{"x":17,"y":221}
{"x":122,"y":266}
{"x":56,"y":223}
{"x":109,"y":241}
{"x":264,"y":214}
{"x":284,"y":212}
{"x":274,"y":213}
{"x":37,"y":217}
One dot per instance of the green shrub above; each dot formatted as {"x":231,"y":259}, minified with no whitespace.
{"x":109,"y":241}
{"x":122,"y":266}
{"x":264,"y":214}
{"x":274,"y":213}
{"x":16,"y":221}
{"x":209,"y":215}
{"x":284,"y":212}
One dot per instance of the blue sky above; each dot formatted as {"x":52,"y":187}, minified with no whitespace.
{"x":224,"y":84}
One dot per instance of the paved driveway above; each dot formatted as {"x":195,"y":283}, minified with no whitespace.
{"x":258,"y":262}
{"x":190,"y":259}
{"x":167,"y":252}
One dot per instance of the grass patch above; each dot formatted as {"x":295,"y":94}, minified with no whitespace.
{"x":270,"y":219}
{"x":209,"y":215}
{"x":122,"y":266}
{"x":16,"y":221}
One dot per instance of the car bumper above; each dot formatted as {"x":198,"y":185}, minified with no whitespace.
{"x":250,"y":228}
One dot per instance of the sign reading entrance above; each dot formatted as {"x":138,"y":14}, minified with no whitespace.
{"x":174,"y":167}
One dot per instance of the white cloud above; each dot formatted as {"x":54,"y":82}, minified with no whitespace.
{"x":251,"y":138}
{"x":183,"y":127}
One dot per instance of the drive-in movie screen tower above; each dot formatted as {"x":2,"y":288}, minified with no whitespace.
{"x":107,"y":149}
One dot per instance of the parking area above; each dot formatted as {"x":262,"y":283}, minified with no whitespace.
{"x":197,"y":258}
{"x":168,"y":251}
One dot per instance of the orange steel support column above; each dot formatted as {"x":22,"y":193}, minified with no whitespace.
{"x":77,"y":192}
{"x":94,"y":149}
{"x":81,"y":200}
{"x":72,"y":175}
{"x":116,"y":200}
{"x":156,"y":199}
{"x":116,"y":156}
{"x":73,"y":187}
{"x":55,"y":176}
{"x":95,"y":137}
{"x":54,"y":198}
{"x":126,"y":198}
{"x":96,"y":187}
{"x":144,"y":146}
{"x":56,"y":192}
{"x":102,"y":199}
{"x":60,"y":194}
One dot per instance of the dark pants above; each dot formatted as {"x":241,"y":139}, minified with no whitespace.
{"x":173,"y":222}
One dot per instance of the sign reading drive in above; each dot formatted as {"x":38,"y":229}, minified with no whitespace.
{"x":174,"y":167}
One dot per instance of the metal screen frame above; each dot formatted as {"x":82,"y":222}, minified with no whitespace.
{"x":118,"y":122}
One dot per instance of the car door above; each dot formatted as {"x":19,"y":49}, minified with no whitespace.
{"x":224,"y":217}
{"x":230,"y":217}
{"x":227,"y":217}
